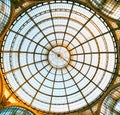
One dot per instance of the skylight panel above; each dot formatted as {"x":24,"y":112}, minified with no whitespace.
{"x":59,"y":56}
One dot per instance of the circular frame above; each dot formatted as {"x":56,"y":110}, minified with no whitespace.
{"x":90,"y":46}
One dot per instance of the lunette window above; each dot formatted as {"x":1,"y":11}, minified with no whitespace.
{"x":5,"y":9}
{"x":111,"y":104}
{"x":14,"y":110}
{"x":110,"y":8}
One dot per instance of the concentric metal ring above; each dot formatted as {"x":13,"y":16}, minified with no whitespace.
{"x":63,"y":82}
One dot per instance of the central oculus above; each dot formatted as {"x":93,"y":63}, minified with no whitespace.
{"x":59,"y":57}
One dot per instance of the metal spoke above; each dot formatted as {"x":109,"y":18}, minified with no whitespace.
{"x":67,"y":23}
{"x":28,"y":39}
{"x":20,"y":67}
{"x":81,"y":28}
{"x":53,"y":23}
{"x":93,"y":53}
{"x":23,"y":52}
{"x":53,"y":89}
{"x":40,"y":86}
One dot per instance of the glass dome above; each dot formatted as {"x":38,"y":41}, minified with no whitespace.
{"x":109,"y":7}
{"x":15,"y":111}
{"x":111,"y":104}
{"x":5,"y":7}
{"x":56,"y":56}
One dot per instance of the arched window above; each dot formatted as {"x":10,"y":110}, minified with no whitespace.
{"x":14,"y":110}
{"x":109,"y":7}
{"x":5,"y":9}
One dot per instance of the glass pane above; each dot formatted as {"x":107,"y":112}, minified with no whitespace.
{"x":5,"y":10}
{"x":15,"y":110}
{"x":110,"y":8}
